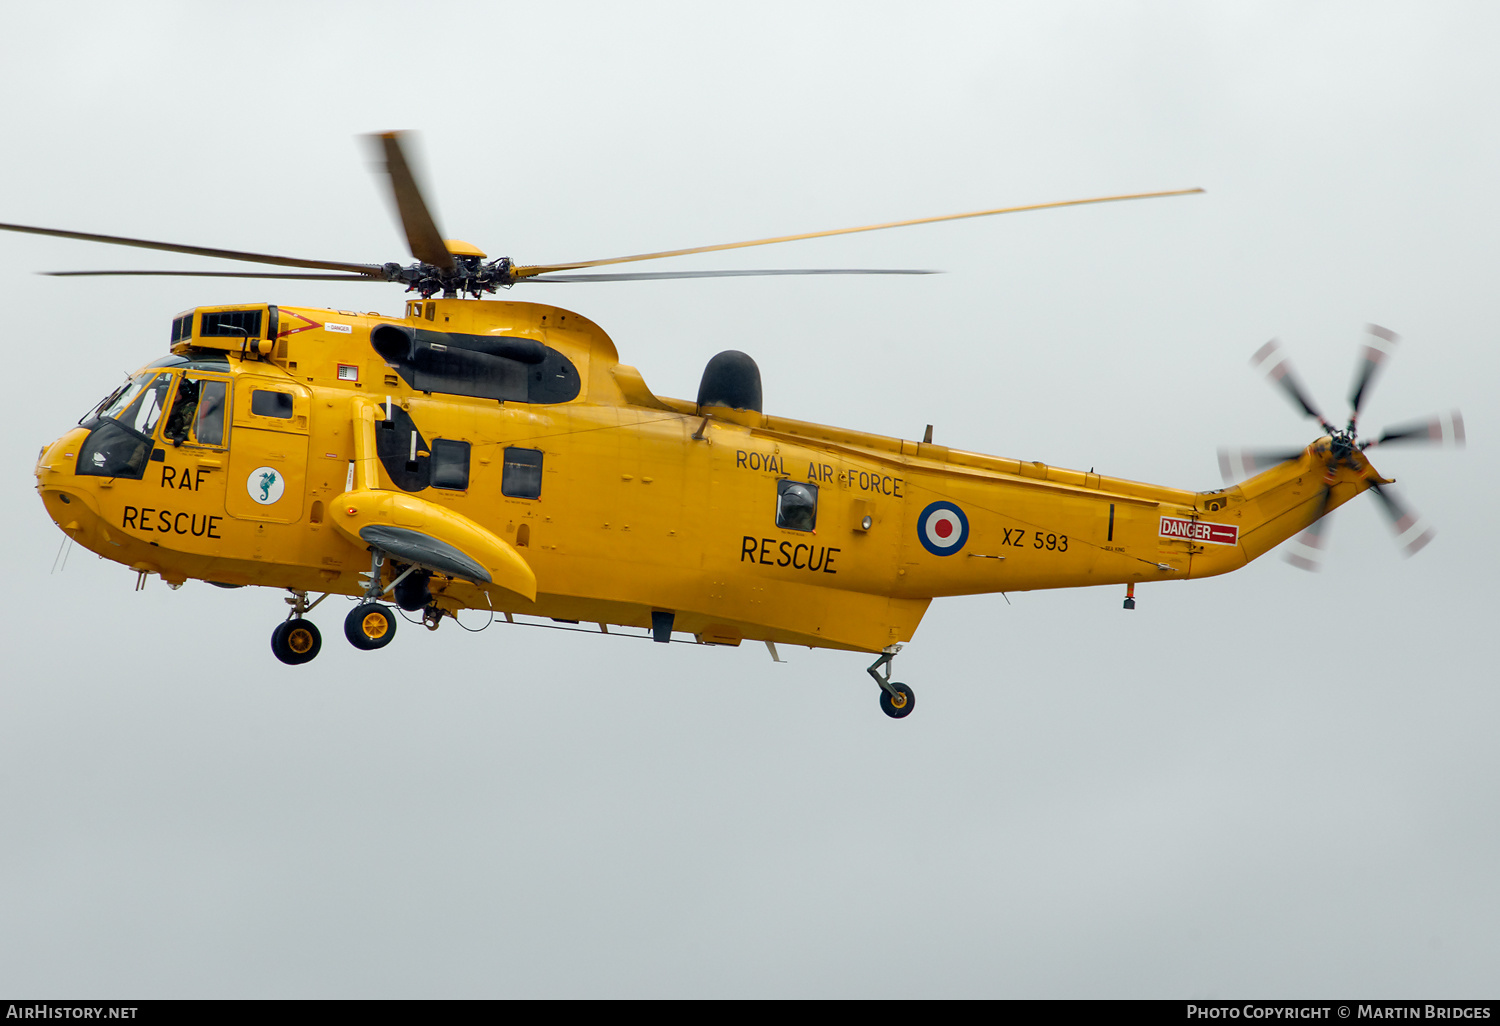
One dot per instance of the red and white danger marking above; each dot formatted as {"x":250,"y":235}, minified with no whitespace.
{"x":1199,"y":531}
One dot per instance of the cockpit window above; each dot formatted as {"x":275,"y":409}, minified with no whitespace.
{"x":119,"y":441}
{"x":111,"y":451}
{"x":142,"y":414}
{"x":199,"y":406}
{"x":213,"y":399}
{"x":183,"y":408}
{"x":119,"y":398}
{"x":796,"y":505}
{"x":196,"y":359}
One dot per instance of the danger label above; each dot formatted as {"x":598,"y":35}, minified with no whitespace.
{"x":1199,"y":531}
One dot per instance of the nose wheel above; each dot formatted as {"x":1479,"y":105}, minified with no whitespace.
{"x":296,"y":640}
{"x":896,"y":699}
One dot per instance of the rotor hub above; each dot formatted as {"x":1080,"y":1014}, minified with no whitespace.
{"x":1343,"y":444}
{"x":470,"y":275}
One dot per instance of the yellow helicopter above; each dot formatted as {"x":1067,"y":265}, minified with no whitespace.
{"x":497,"y":456}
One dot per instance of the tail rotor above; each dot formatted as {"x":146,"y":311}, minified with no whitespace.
{"x":1412,"y":532}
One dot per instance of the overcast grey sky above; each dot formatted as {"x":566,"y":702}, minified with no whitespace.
{"x":1270,"y":783}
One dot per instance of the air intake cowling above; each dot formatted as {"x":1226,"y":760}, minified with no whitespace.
{"x":499,"y":367}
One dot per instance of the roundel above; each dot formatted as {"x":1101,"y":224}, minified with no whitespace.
{"x":943,"y":528}
{"x":265,"y":485}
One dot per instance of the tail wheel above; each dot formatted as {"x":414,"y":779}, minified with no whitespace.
{"x":898,"y":705}
{"x":296,"y":641}
{"x":369,"y":626}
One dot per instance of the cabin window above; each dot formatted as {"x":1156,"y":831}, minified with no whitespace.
{"x":522,"y":477}
{"x":450,"y":464}
{"x":270,"y":404}
{"x":796,"y":505}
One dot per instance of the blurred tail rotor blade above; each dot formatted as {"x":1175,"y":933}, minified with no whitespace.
{"x":422,"y":233}
{"x":1412,"y":532}
{"x":1444,"y":429}
{"x":1273,"y":362}
{"x":1237,"y":464}
{"x":1380,"y":346}
{"x":1307,"y":549}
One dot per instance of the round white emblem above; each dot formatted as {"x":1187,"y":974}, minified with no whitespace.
{"x":942,"y":528}
{"x":265,"y":485}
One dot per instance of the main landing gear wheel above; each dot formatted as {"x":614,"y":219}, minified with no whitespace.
{"x":898,"y":705}
{"x":296,"y":641}
{"x":369,"y":626}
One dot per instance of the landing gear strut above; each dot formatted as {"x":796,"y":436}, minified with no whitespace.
{"x":296,"y":640}
{"x":896,"y":700}
{"x":371,"y":625}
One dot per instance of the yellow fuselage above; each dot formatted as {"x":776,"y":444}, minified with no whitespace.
{"x":644,"y":504}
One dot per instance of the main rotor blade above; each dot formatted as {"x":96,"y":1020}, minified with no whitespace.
{"x":1270,"y":359}
{"x":1237,"y":464}
{"x":172,"y":247}
{"x":535,"y":269}
{"x":663,"y":275}
{"x":1382,"y":343}
{"x":1444,"y":429}
{"x":1412,"y":532}
{"x":422,"y":233}
{"x":212,"y":274}
{"x":1308,"y":548}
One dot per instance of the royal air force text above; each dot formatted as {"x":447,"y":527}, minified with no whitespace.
{"x":823,"y":473}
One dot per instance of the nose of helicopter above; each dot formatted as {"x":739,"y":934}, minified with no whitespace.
{"x":56,"y":482}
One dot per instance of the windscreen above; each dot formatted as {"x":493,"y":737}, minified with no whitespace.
{"x":119,"y":442}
